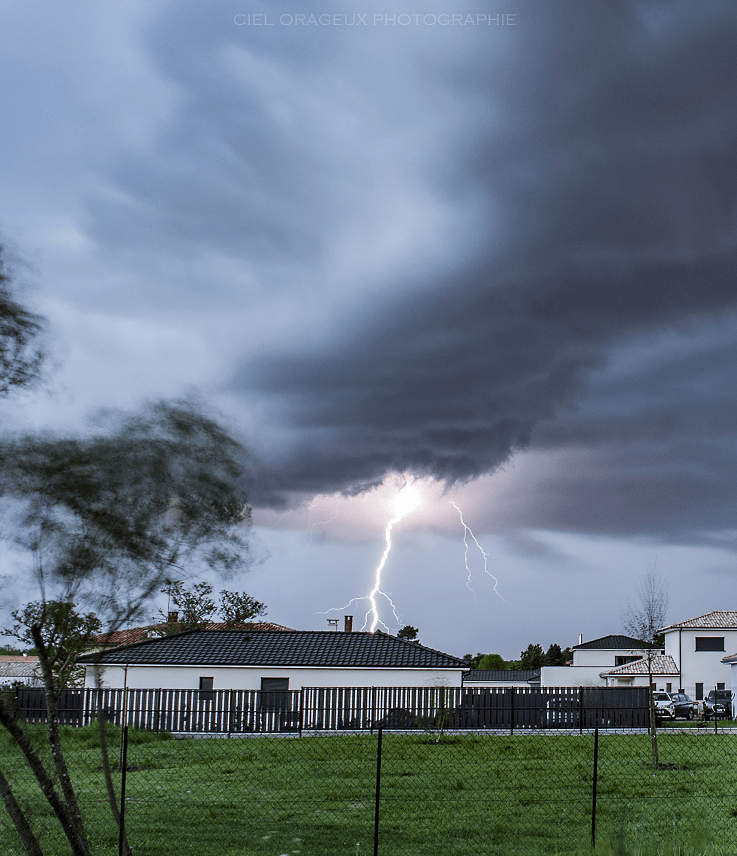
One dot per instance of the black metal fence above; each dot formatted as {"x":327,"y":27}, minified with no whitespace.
{"x":347,"y":708}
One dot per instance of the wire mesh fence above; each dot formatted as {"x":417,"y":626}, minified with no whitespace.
{"x":393,"y":792}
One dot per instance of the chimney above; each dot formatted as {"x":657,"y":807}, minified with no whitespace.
{"x":349,"y":624}
{"x":580,"y":638}
{"x":333,"y":624}
{"x":172,"y":618}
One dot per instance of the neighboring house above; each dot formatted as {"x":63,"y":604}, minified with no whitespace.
{"x":153,"y":631}
{"x":698,"y":647}
{"x":662,"y":667}
{"x":592,"y":660}
{"x":20,"y":669}
{"x":237,"y":659}
{"x":502,"y":678}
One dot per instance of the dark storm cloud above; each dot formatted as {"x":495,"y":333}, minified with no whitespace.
{"x":581,"y":170}
{"x":610,"y":179}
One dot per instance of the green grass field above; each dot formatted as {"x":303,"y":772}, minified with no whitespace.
{"x":467,"y":795}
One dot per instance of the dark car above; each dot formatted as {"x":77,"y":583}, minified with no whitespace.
{"x":718,"y":705}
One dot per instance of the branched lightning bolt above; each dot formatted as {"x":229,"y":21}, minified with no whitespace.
{"x":405,"y":501}
{"x":466,"y":532}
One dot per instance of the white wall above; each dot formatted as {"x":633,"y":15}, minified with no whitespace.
{"x":249,"y":678}
{"x":704,"y":667}
{"x":571,"y":676}
{"x":604,"y":657}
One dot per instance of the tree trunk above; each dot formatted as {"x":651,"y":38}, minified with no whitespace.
{"x":20,"y":821}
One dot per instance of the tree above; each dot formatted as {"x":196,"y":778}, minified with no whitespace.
{"x":21,"y":353}
{"x":642,"y":619}
{"x":408,"y":632}
{"x":107,"y":519}
{"x":555,"y":656}
{"x":195,"y":607}
{"x":533,"y":657}
{"x":492,"y":661}
{"x":237,"y":607}
{"x":59,"y":634}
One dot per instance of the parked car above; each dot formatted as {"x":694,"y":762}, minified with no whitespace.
{"x":718,"y":705}
{"x":673,"y":706}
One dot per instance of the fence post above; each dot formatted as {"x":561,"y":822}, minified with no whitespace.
{"x":595,"y":782}
{"x":301,"y":709}
{"x":123,"y":772}
{"x":378,"y":792}
{"x":511,"y":710}
{"x":580,"y":710}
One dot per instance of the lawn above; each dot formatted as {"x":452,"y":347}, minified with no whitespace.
{"x":467,"y":795}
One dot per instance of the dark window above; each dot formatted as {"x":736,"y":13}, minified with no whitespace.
{"x":699,"y":692}
{"x":622,"y":661}
{"x":206,"y":689}
{"x":720,"y":686}
{"x":710,"y":643}
{"x":274,"y":694}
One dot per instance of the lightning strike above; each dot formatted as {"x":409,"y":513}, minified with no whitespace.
{"x":403,"y":503}
{"x":466,"y":532}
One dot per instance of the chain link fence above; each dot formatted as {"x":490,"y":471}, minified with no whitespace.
{"x":395,"y":793}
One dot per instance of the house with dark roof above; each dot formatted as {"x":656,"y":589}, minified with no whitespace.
{"x":502,"y":678}
{"x":593,"y":660}
{"x":699,"y":647}
{"x":238,"y":659}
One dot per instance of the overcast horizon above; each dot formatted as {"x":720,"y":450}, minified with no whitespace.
{"x":489,"y":252}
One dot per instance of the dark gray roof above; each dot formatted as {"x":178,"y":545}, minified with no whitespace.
{"x":283,"y":648}
{"x":610,"y":642}
{"x":501,"y":675}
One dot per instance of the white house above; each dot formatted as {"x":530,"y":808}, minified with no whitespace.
{"x":592,"y":660}
{"x":661,"y":667}
{"x":698,"y":647}
{"x":284,"y":660}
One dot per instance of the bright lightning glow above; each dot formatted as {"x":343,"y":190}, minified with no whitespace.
{"x":402,"y":504}
{"x":405,"y":501}
{"x":467,"y":531}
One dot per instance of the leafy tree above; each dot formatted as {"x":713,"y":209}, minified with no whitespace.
{"x":108,"y":518}
{"x":533,"y":657}
{"x":492,"y":661}
{"x":237,"y":607}
{"x":555,"y":656}
{"x":195,"y":607}
{"x":408,"y":632}
{"x":59,"y":634}
{"x":21,"y":353}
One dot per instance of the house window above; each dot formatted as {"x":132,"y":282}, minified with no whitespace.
{"x":206,"y":689}
{"x":710,"y":643}
{"x":669,"y":688}
{"x":699,"y":692}
{"x":720,"y":686}
{"x":622,"y":660}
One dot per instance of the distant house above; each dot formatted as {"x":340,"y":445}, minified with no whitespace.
{"x":20,"y":669}
{"x":285,"y":660}
{"x":154,"y":631}
{"x":592,"y":660}
{"x":661,"y":667}
{"x":698,"y":647}
{"x":502,"y":678}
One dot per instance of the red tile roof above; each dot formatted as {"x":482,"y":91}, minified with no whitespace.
{"x":138,"y":634}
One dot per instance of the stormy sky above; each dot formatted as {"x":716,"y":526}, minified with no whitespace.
{"x":491,"y":247}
